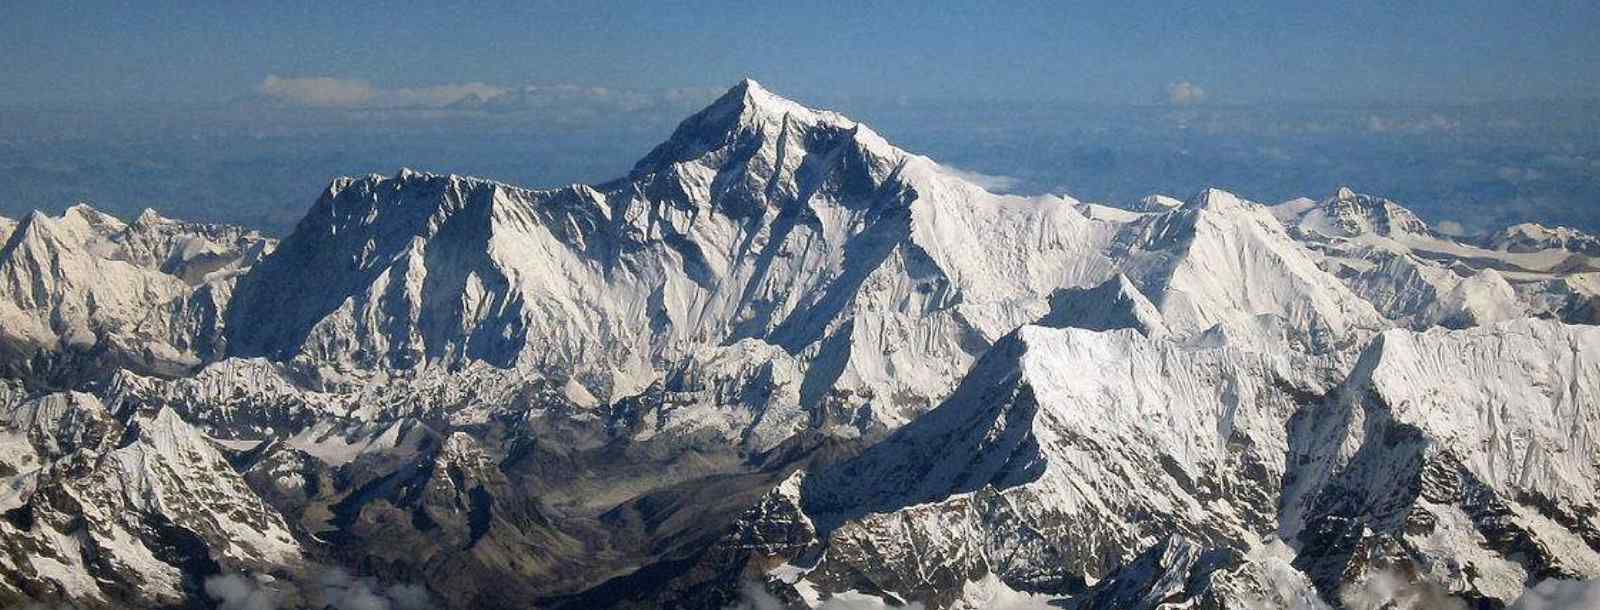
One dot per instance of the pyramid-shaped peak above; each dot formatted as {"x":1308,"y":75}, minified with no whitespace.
{"x":40,"y":230}
{"x":750,"y":101}
{"x":1212,"y":198}
{"x":38,"y":221}
{"x":82,"y":216}
{"x":406,"y":173}
{"x":750,"y":85}
{"x":1115,"y":303}
{"x":748,"y":113}
{"x":1348,"y":213}
{"x":1156,"y":203}
{"x":1347,"y":196}
{"x":83,"y":207}
{"x":150,"y":217}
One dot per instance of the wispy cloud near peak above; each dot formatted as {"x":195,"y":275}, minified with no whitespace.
{"x":328,"y":91}
{"x":1185,"y":93}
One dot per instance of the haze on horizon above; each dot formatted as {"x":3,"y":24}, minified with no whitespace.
{"x":1476,"y":114}
{"x":936,"y":347}
{"x":1137,"y":52}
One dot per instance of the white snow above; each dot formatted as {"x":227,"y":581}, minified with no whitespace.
{"x":1065,"y":385}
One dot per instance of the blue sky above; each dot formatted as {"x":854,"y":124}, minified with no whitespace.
{"x":1135,"y":52}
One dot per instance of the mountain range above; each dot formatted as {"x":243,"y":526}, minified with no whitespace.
{"x":784,"y":363}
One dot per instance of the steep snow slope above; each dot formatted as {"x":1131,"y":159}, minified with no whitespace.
{"x":148,"y":293}
{"x":877,"y":273}
{"x":1067,"y":452}
{"x":666,"y":390}
{"x":1351,"y":214}
{"x":1533,"y":237}
{"x":60,"y":286}
{"x":1156,"y":203}
{"x":1419,"y":278}
{"x":197,"y":253}
{"x":1219,"y":262}
{"x":1466,"y":456}
{"x":1117,"y":303}
{"x":762,"y":243}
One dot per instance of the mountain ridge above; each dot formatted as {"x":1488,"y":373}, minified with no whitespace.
{"x":782,"y":356}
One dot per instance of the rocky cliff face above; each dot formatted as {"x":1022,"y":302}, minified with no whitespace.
{"x":135,"y":512}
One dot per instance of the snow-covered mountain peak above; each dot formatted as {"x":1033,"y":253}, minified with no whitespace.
{"x":1212,"y":198}
{"x":145,"y":293}
{"x":757,"y":220}
{"x":84,"y":216}
{"x":1156,"y":203}
{"x":749,"y":83}
{"x":149,"y":216}
{"x":940,"y":395}
{"x":1534,"y":237}
{"x":749,"y":100}
{"x":1350,"y":214}
{"x":1116,"y":303}
{"x":1458,"y":386}
{"x":79,"y":226}
{"x":1221,"y":261}
{"x":36,"y":227}
{"x":754,"y":136}
{"x":365,"y":205}
{"x":366,"y":234}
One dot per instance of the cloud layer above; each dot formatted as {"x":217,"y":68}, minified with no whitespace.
{"x":1185,"y":93}
{"x":334,"y":92}
{"x":1560,"y":595}
{"x":334,"y":588}
{"x":316,"y":91}
{"x":328,"y":91}
{"x":1451,"y":227}
{"x":994,"y":183}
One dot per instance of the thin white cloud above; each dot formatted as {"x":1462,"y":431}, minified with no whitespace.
{"x":1432,"y":123}
{"x":994,"y":183}
{"x":241,"y":592}
{"x":333,"y":588}
{"x":439,"y":96}
{"x":327,"y":91}
{"x":334,"y":92}
{"x":988,"y":592}
{"x":1451,"y":227}
{"x":317,"y":90}
{"x":1384,"y":590}
{"x":1555,"y":594}
{"x":1519,"y":174}
{"x":697,"y":96}
{"x":1185,"y":93}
